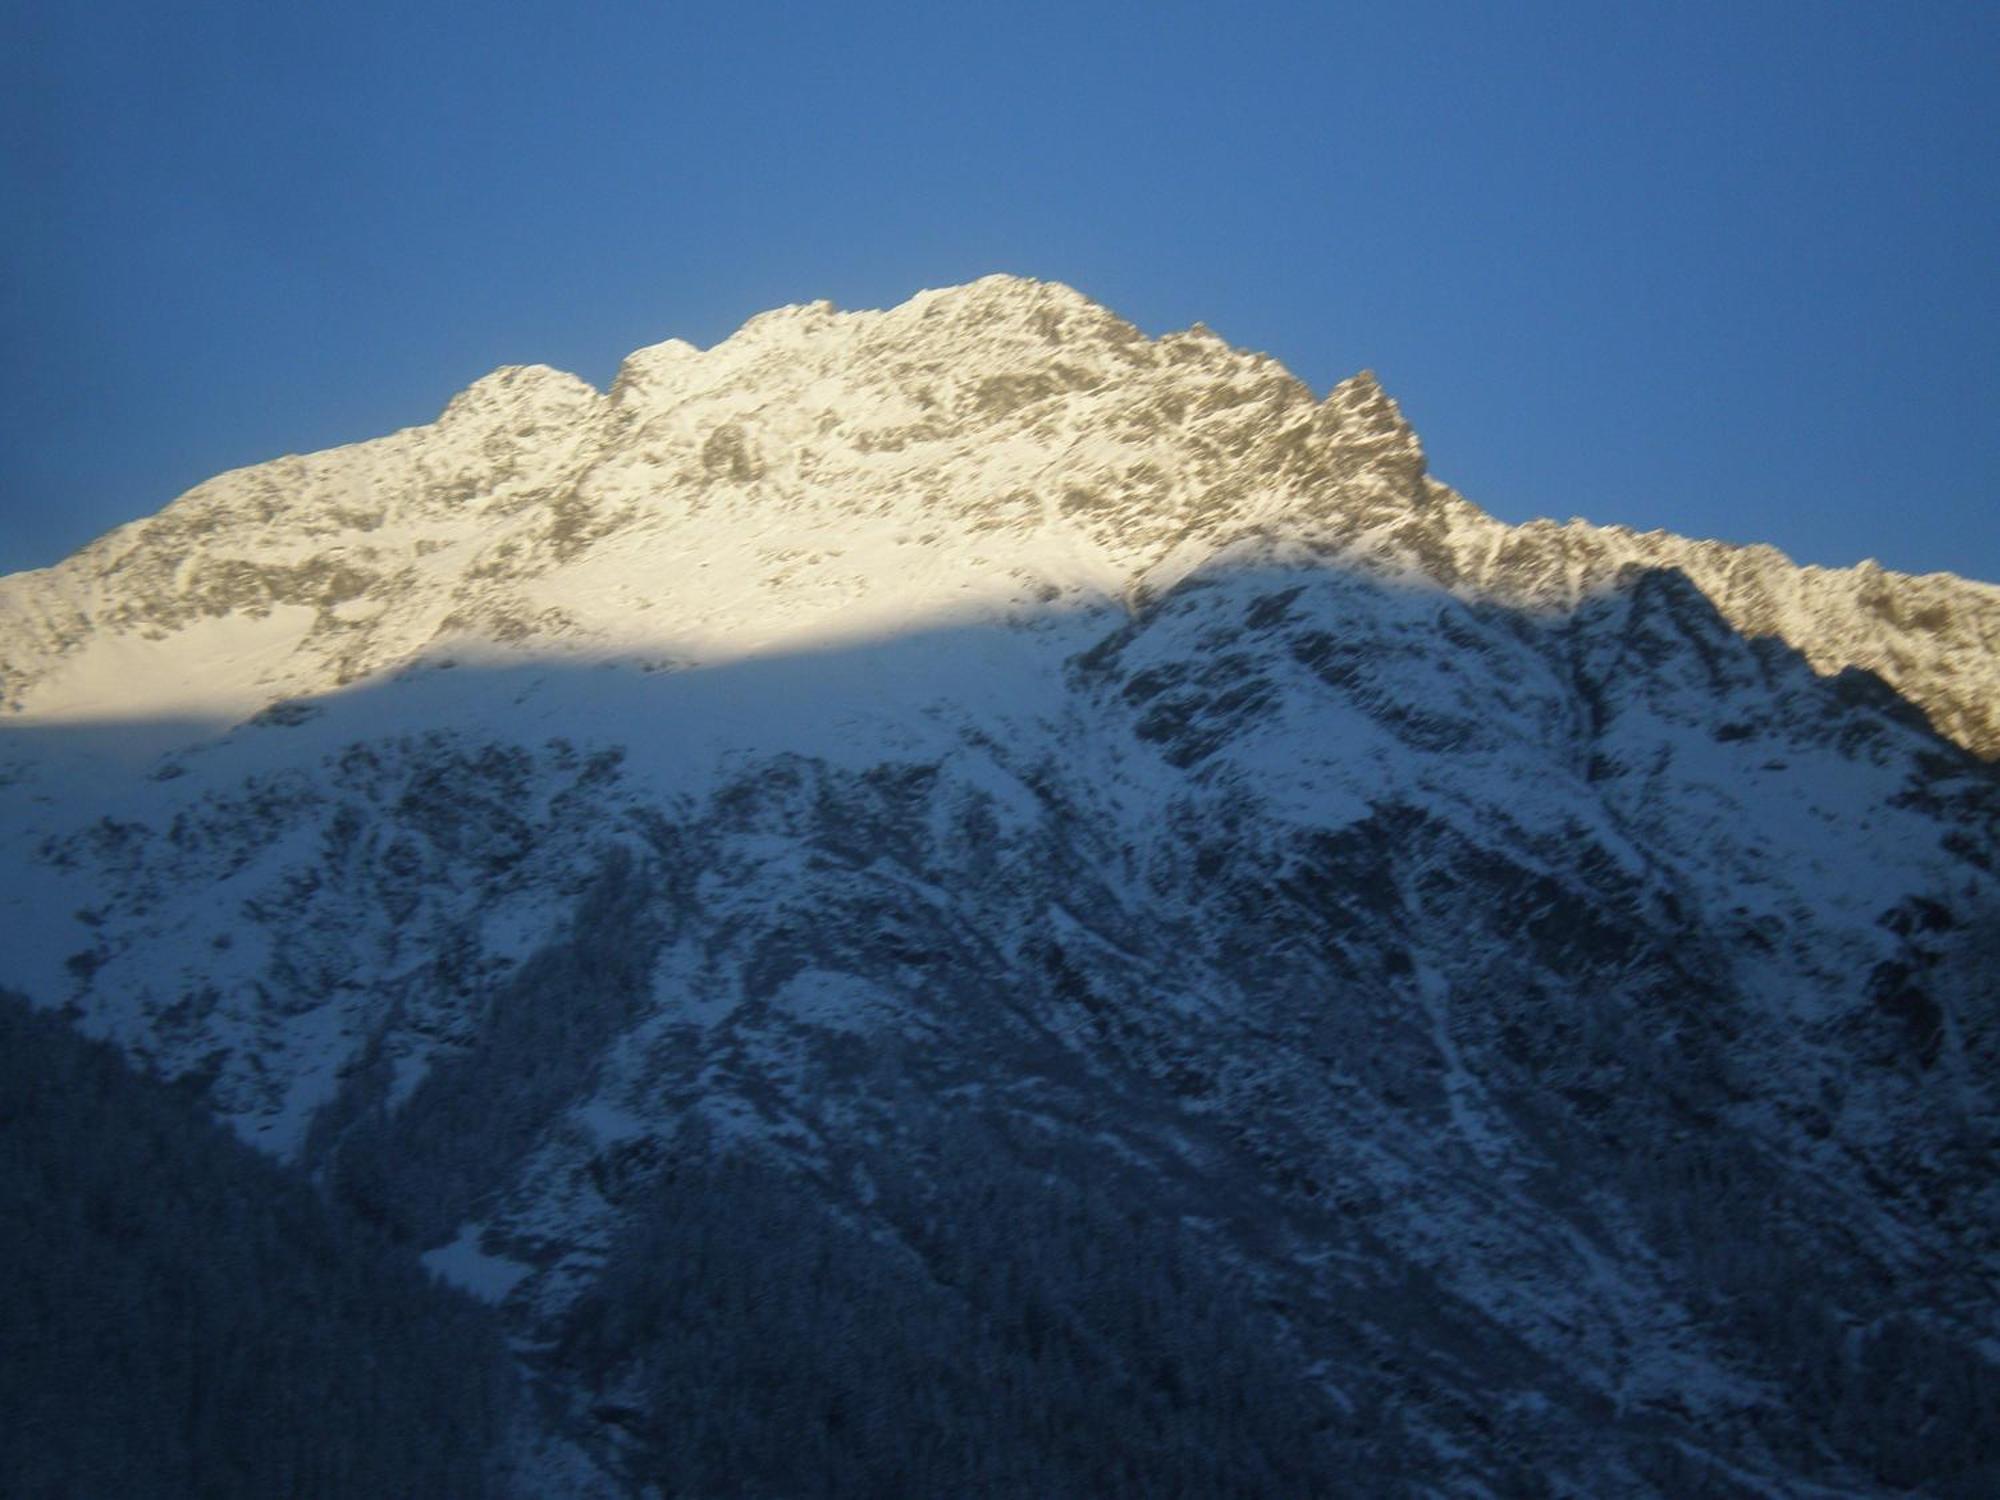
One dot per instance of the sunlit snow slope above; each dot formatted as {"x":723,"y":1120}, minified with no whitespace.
{"x":824,"y":475}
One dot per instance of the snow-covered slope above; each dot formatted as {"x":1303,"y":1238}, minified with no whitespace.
{"x":824,"y":475}
{"x":1529,"y":960}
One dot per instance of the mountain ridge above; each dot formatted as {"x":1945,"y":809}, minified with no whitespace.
{"x":1055,"y":445}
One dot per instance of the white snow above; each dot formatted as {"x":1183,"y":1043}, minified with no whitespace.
{"x":465,"y":1265}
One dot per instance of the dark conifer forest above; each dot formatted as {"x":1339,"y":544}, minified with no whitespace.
{"x":181,"y":1316}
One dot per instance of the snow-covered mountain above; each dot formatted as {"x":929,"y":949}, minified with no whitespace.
{"x":826,"y":475}
{"x":1546,"y":970}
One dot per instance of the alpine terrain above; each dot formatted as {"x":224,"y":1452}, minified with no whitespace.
{"x":961,"y":901}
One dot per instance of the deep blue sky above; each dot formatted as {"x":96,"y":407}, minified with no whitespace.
{"x":1729,"y":268}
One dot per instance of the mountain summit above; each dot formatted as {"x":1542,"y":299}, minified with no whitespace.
{"x":991,"y":447}
{"x":958,"y":900}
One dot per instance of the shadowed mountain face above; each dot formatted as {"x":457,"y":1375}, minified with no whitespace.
{"x":182,"y":1317}
{"x":1325,"y":987}
{"x":1577,"y":1034}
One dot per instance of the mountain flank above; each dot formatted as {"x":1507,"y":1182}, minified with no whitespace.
{"x":958,"y":900}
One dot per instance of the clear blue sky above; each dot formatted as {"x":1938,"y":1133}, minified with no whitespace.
{"x":1729,"y":268}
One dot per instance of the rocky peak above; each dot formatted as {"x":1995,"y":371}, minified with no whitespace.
{"x":1366,"y":421}
{"x":516,"y":393}
{"x":1367,"y":412}
{"x":1008,"y":441}
{"x":1002,"y":298}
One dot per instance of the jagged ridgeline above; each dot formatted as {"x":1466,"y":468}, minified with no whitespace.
{"x":1005,"y":442}
{"x":963,"y":901}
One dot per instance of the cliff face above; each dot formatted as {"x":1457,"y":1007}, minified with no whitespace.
{"x":1106,"y":833}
